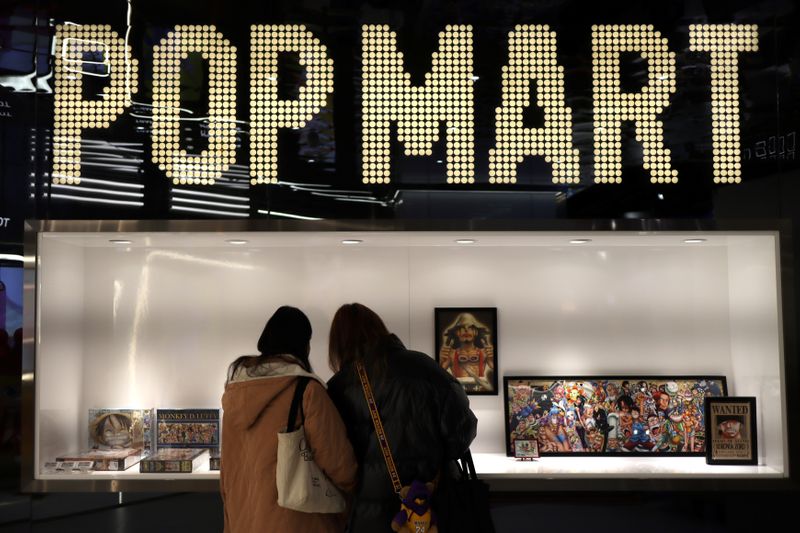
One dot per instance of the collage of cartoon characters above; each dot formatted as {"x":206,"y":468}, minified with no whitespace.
{"x":188,"y":433}
{"x":606,"y":415}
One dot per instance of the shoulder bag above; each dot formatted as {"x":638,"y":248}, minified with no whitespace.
{"x":302,"y":485}
{"x":463,"y":500}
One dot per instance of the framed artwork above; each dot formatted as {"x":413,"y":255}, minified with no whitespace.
{"x":466,"y":346}
{"x":607,"y":415}
{"x":731,"y":430}
{"x":526,"y":449}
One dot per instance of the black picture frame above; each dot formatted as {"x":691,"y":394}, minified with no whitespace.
{"x":484,"y":382}
{"x":731,"y":430}
{"x":513,"y":417}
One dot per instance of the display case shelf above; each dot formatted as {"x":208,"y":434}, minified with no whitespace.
{"x":500,"y":472}
{"x":496,"y":466}
{"x":115,"y":325}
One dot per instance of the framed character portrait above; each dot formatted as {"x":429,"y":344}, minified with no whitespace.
{"x":466,"y":346}
{"x":731,"y":430}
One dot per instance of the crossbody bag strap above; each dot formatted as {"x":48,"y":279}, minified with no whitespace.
{"x":379,"y":432}
{"x":297,"y":404}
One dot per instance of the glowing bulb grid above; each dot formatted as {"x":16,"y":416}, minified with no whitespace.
{"x":185,"y":168}
{"x":532,"y":56}
{"x":612,"y":107}
{"x":73,"y":114}
{"x":268,"y":113}
{"x":446,"y":96}
{"x":724,"y":42}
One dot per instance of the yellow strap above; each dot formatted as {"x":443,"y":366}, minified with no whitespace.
{"x":376,"y":421}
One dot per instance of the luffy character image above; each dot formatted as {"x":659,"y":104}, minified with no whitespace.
{"x":467,"y":352}
{"x":112,"y":430}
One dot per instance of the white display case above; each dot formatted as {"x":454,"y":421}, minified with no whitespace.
{"x":155,"y":323}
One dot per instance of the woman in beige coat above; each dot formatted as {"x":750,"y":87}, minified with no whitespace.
{"x":256,"y":402}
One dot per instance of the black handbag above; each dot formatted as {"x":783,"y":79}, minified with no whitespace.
{"x":462,"y":500}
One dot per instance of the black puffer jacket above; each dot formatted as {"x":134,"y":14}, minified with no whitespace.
{"x":427,"y":420}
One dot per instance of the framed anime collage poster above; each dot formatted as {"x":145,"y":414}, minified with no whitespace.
{"x":605,"y":415}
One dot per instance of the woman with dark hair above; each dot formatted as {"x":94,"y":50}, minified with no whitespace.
{"x":256,"y":402}
{"x":424,"y":411}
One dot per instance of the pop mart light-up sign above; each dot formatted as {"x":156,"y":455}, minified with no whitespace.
{"x":446,"y":96}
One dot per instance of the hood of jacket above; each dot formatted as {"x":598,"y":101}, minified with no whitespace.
{"x":247,"y":396}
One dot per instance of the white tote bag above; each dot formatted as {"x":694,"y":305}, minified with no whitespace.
{"x":302,"y":485}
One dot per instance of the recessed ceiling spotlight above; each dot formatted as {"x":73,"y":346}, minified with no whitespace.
{"x":694,"y":241}
{"x":120,"y":241}
{"x":466,"y":241}
{"x":352,"y":241}
{"x":236,"y":241}
{"x":580,"y":241}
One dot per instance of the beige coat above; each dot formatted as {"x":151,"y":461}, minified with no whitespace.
{"x":254,"y":411}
